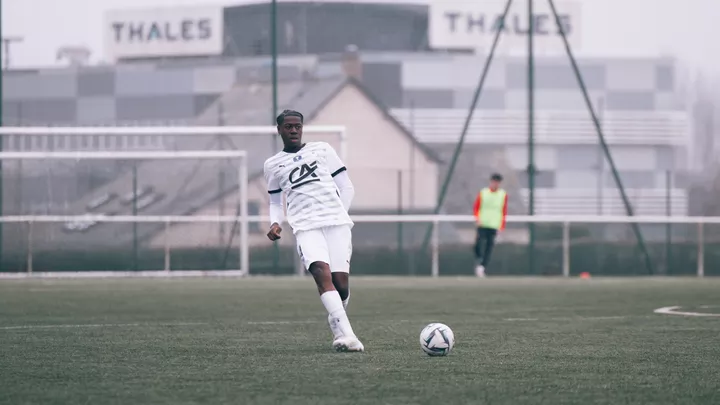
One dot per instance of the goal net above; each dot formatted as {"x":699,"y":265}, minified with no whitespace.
{"x":167,"y":200}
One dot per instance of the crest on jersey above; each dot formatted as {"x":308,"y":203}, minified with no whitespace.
{"x":304,"y":174}
{"x":297,"y":158}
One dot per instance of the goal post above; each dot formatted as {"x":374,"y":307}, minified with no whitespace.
{"x":137,"y":196}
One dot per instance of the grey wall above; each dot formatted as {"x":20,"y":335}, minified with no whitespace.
{"x":449,"y":82}
{"x":585,"y":166}
{"x":112,"y":95}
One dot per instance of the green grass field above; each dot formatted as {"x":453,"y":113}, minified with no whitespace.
{"x":265,"y":341}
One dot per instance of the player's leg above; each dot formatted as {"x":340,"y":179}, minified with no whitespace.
{"x":478,"y":246}
{"x":491,"y":234}
{"x":340,"y":245}
{"x":339,"y":240}
{"x":314,"y":253}
{"x":479,"y":238}
{"x":341,"y":281}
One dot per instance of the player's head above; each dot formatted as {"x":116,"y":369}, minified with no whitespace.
{"x":290,"y":126}
{"x":495,"y":181}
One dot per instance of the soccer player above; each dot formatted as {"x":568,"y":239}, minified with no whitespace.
{"x":490,"y":211}
{"x":318,"y":193}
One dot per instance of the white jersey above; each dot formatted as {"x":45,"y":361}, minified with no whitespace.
{"x":306,"y":178}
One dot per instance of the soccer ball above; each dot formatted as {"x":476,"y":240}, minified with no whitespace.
{"x":437,"y":339}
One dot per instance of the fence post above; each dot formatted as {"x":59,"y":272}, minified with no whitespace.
{"x":30,"y":248}
{"x":435,"y":249}
{"x":167,"y":245}
{"x":701,"y":251}
{"x":566,"y":249}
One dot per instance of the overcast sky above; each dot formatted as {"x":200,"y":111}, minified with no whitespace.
{"x":687,"y":29}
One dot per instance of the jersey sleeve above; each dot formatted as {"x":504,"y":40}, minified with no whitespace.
{"x":476,"y":206}
{"x":346,"y":190}
{"x":277,"y":214}
{"x":335,"y":165}
{"x":273,"y":185}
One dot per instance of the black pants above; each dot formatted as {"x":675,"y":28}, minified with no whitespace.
{"x":484,"y":242}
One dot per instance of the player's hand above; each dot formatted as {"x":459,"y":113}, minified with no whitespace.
{"x":274,"y":233}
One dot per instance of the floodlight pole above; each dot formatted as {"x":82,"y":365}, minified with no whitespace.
{"x":273,"y":46}
{"x":531,"y":134}
{"x":136,"y":266}
{"x":466,"y":127}
{"x":2,"y":147}
{"x":274,"y":56}
{"x":601,"y":137}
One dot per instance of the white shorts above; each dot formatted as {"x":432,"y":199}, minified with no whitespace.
{"x":330,"y":244}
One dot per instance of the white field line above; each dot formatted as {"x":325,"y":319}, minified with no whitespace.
{"x":575,"y":318}
{"x":568,"y":318}
{"x":122,"y":274}
{"x":299,"y":322}
{"x":97,"y":325}
{"x":281,"y":322}
{"x":674,"y":311}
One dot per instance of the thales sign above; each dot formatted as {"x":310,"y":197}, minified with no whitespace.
{"x":165,"y":32}
{"x":472,"y":24}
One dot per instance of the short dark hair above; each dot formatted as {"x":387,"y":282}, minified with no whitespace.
{"x":288,"y":113}
{"x":496,"y":177}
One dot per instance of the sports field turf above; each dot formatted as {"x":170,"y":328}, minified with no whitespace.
{"x":265,"y":341}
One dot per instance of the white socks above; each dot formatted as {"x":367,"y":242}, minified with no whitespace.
{"x":346,"y":301}
{"x":337,"y":318}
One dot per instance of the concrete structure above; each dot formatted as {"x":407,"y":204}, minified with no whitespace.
{"x":390,"y":169}
{"x":394,"y":79}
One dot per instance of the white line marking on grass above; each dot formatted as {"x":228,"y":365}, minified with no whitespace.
{"x":280,"y":322}
{"x":600,"y":318}
{"x":97,"y":325}
{"x":674,"y":311}
{"x":567,"y":318}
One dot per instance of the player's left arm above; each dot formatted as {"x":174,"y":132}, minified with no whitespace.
{"x":339,"y":173}
{"x":504,"y":213}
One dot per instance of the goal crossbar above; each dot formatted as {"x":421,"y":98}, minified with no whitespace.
{"x":126,"y":155}
{"x":178,"y":131}
{"x":157,"y":130}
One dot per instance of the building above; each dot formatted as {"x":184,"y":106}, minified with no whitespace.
{"x":385,"y":180}
{"x":403,"y":73}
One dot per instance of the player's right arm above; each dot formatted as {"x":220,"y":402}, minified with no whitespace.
{"x":277,"y":213}
{"x":346,"y":190}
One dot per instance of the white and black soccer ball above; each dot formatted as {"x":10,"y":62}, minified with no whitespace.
{"x":437,"y":339}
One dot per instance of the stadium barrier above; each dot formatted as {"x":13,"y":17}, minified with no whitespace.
{"x":564,"y":223}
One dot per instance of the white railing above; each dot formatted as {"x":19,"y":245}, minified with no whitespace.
{"x":435,"y":220}
{"x":551,"y":127}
